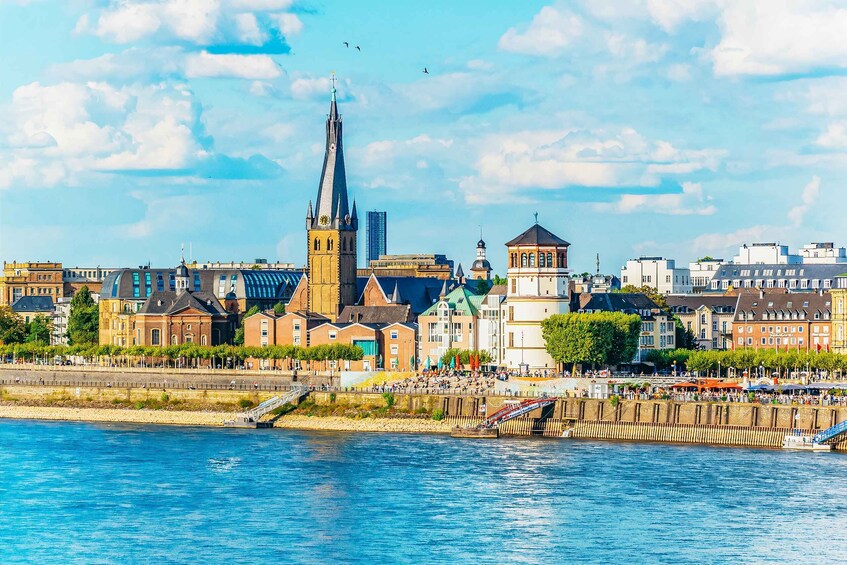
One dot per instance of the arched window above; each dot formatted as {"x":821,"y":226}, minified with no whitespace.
{"x":317,"y":245}
{"x":523,"y":259}
{"x":344,"y":244}
{"x":561,"y":260}
{"x":329,"y":243}
{"x":173,"y":340}
{"x":156,"y":337}
{"x":532,"y":259}
{"x":549,"y":259}
{"x":541,"y":262}
{"x":203,"y":340}
{"x":514,"y":262}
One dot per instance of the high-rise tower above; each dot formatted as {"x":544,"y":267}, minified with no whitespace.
{"x":332,"y":227}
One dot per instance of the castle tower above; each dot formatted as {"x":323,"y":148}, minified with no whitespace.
{"x":182,"y":277}
{"x":331,"y":227}
{"x":481,"y":268}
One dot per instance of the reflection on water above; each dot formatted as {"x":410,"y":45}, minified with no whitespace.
{"x":112,"y":493}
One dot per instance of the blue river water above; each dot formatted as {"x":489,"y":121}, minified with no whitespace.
{"x":102,"y":493}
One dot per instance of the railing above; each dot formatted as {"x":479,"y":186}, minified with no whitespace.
{"x":830,"y":434}
{"x":275,"y":402}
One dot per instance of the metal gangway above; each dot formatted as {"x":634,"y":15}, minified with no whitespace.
{"x":250,"y":419}
{"x":514,"y":410}
{"x":831,"y":435}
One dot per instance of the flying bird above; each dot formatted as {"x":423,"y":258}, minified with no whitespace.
{"x":346,"y":44}
{"x":426,"y":72}
{"x":358,"y":48}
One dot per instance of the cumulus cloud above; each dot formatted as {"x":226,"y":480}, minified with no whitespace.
{"x":691,"y":201}
{"x":61,"y":133}
{"x":809,"y":198}
{"x":550,"y":32}
{"x":240,"y":27}
{"x":308,"y":88}
{"x":198,"y":65}
{"x":552,"y":160}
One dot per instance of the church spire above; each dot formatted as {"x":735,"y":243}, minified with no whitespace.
{"x":332,"y":206}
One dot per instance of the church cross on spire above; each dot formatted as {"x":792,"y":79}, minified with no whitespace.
{"x":332,"y":80}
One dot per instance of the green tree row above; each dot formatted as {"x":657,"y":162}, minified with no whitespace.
{"x":83,"y":323}
{"x":750,"y":360}
{"x":121,"y":355}
{"x":601,"y":338}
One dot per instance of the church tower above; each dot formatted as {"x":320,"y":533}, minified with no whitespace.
{"x":331,"y":227}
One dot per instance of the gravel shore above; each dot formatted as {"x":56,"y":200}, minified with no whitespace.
{"x":196,"y":418}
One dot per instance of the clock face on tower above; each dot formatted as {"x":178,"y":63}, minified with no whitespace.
{"x":324,"y":220}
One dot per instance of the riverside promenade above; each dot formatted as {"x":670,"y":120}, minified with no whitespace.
{"x":197,"y":398}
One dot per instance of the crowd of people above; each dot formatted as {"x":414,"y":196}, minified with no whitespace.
{"x":453,"y":382}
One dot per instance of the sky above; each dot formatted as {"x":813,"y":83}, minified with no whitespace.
{"x":679,"y":128}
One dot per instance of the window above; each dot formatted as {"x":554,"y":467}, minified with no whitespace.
{"x":395,"y":349}
{"x":511,"y":313}
{"x":511,"y":339}
{"x":329,"y":244}
{"x":541,"y":262}
{"x":333,"y":335}
{"x":523,"y":260}
{"x":549,"y":259}
{"x":532,"y":259}
{"x":173,"y":340}
{"x":317,"y":245}
{"x":514,"y":286}
{"x":394,"y":334}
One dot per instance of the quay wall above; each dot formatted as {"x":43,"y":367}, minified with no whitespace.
{"x":718,"y":423}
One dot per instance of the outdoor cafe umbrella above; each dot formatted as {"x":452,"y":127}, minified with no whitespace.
{"x":428,"y":363}
{"x":440,"y":363}
{"x":452,"y":362}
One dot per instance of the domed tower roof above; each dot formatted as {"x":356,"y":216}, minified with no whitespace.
{"x":480,"y":244}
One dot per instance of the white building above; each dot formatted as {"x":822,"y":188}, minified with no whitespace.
{"x":702,"y":272}
{"x":765,"y":254}
{"x":491,"y":324}
{"x":822,"y":253}
{"x":61,"y":314}
{"x":658,"y":273}
{"x":538,"y":287}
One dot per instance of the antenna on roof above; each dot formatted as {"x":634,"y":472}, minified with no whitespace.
{"x":182,"y":253}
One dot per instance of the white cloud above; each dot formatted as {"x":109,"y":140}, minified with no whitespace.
{"x":548,"y":34}
{"x":167,"y":214}
{"x":679,"y":72}
{"x":309,"y":88}
{"x":670,"y":14}
{"x":762,"y":37}
{"x":835,"y":136}
{"x":248,"y":29}
{"x":554,"y":160}
{"x":635,"y":50}
{"x":289,"y":24}
{"x":241,"y":66}
{"x":479,"y":65}
{"x":691,"y":201}
{"x":57,"y":133}
{"x":808,"y":199}
{"x":726,"y":243}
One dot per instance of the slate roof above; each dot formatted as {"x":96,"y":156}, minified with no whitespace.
{"x":33,"y":304}
{"x":537,"y":235}
{"x":716,"y":303}
{"x":629,"y":303}
{"x":418,"y":292}
{"x":794,"y":306}
{"x":376,"y":314}
{"x":771,"y":275}
{"x":168,"y":302}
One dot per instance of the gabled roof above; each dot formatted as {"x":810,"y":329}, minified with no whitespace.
{"x":376,"y":314}
{"x":616,"y":302}
{"x":462,"y":300}
{"x":168,"y":302}
{"x":33,"y":304}
{"x":537,"y":235}
{"x":419,"y":293}
{"x":716,"y":303}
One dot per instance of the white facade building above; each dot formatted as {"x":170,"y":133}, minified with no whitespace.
{"x":823,"y":253}
{"x":702,"y":272}
{"x":658,"y":273}
{"x":491,"y":324}
{"x":538,"y":287}
{"x":765,"y":254}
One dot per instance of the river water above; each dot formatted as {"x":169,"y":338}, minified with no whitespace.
{"x":104,"y":493}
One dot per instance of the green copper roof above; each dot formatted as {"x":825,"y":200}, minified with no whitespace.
{"x":460,"y":299}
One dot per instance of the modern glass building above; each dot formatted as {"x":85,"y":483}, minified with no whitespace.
{"x":376,"y":235}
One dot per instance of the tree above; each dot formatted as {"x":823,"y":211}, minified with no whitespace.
{"x":12,"y":327}
{"x":601,"y":338}
{"x":651,"y":293}
{"x":705,"y":258}
{"x":84,"y":319}
{"x":239,"y":333}
{"x":685,"y":338}
{"x":39,"y":330}
{"x":498,"y":280}
{"x":482,"y":287}
{"x":279,"y":308}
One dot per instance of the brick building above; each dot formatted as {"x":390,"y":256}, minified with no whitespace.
{"x":791,"y":321}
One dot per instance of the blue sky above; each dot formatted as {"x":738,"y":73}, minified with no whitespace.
{"x":662,"y":127}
